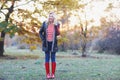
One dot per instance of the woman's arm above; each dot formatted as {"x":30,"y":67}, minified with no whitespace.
{"x":41,"y":32}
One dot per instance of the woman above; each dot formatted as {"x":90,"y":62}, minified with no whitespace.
{"x":48,"y":33}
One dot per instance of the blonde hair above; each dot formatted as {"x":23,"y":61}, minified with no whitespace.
{"x":54,"y":16}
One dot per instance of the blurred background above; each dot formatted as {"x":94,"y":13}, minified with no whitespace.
{"x":86,"y":25}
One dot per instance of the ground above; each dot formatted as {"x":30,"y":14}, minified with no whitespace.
{"x":26,"y":65}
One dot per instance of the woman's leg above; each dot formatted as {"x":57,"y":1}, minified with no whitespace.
{"x":53,"y":59}
{"x":47,"y":57}
{"x":47,"y":60}
{"x":47,"y":67}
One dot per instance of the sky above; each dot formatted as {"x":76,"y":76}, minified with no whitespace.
{"x":96,"y":10}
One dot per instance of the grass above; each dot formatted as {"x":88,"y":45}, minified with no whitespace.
{"x":26,"y":65}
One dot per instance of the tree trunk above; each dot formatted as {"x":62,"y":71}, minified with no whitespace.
{"x":2,"y":43}
{"x":10,"y":10}
{"x":63,"y":47}
{"x":84,"y":50}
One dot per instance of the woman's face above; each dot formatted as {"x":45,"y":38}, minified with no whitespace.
{"x":51,"y":18}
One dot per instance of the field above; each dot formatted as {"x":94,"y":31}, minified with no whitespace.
{"x":27,"y":65}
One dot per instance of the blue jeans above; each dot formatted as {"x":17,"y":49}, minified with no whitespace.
{"x":50,"y":55}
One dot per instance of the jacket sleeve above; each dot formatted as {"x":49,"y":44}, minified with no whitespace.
{"x":58,"y":29}
{"x":41,"y":32}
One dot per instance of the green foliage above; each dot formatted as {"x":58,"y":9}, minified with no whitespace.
{"x":8,"y":27}
{"x":3,"y":25}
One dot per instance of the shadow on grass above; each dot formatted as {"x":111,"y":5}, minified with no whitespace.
{"x":12,"y":57}
{"x":2,"y":79}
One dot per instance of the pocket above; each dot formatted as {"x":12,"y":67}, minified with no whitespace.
{"x":44,"y":47}
{"x":56,"y":49}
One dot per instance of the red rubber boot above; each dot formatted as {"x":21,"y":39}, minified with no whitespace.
{"x":47,"y":70}
{"x":53,"y":70}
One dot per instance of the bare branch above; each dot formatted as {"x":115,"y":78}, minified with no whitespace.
{"x":10,"y":10}
{"x":4,"y":1}
{"x":2,"y":12}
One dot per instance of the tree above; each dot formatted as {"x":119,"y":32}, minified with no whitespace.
{"x":6,"y":25}
{"x":84,"y":32}
{"x":9,"y":24}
